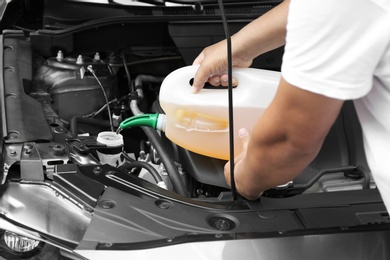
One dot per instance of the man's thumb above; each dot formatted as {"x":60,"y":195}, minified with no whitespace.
{"x":244,"y":137}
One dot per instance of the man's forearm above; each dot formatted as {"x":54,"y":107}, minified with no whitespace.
{"x":266,"y":33}
{"x":286,"y":139}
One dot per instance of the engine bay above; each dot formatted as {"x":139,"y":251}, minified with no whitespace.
{"x":57,"y":106}
{"x":65,"y":84}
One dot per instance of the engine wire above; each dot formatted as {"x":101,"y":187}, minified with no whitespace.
{"x":90,"y":69}
{"x":230,"y":98}
{"x":100,"y":110}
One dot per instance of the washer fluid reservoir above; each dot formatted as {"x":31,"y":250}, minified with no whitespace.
{"x":200,"y":122}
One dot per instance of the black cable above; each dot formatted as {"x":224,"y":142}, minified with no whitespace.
{"x":230,"y":98}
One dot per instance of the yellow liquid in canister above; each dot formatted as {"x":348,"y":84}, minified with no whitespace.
{"x":200,"y":122}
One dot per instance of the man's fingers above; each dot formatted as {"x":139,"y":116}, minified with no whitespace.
{"x":244,"y":136}
{"x":201,"y":77}
{"x":197,"y":85}
{"x":225,"y":80}
{"x":215,"y":80}
{"x":226,"y":172}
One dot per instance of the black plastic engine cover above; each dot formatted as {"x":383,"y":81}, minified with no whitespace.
{"x":72,"y":88}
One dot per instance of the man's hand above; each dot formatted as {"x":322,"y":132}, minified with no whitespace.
{"x":213,"y":66}
{"x":239,"y":163}
{"x":285,"y":139}
{"x":260,"y":36}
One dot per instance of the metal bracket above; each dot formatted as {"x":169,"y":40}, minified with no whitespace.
{"x":31,"y":163}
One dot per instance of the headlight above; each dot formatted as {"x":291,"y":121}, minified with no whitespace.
{"x":19,"y":243}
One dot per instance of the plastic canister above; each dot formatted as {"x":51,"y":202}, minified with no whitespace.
{"x":114,"y":145}
{"x":200,"y":122}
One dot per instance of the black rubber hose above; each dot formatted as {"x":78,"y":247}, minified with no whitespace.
{"x":134,"y":164}
{"x":169,"y":164}
{"x":86,"y":120}
{"x":155,"y":139}
{"x":138,"y":83}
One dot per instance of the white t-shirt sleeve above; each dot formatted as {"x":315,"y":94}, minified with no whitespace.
{"x":332,"y":46}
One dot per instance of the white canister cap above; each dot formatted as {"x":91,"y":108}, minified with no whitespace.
{"x":111,"y":139}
